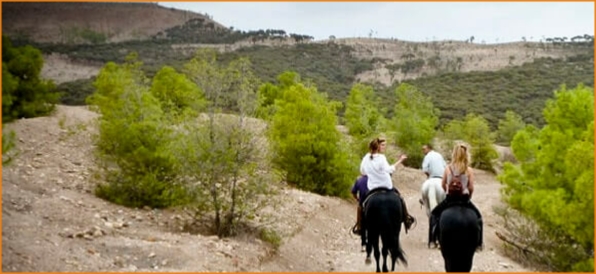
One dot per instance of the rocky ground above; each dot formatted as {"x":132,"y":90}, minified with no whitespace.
{"x":51,"y":221}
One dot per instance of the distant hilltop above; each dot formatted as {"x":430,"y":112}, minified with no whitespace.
{"x":92,"y":22}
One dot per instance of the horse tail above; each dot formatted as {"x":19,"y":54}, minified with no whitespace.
{"x":400,"y":254}
{"x":432,"y":197}
{"x":391,"y":241}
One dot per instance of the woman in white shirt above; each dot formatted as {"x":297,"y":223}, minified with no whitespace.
{"x":377,"y":168}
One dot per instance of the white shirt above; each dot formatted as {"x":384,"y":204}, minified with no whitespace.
{"x":378,"y":171}
{"x":434,"y":164}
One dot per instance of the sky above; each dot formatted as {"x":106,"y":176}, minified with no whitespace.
{"x":489,"y":22}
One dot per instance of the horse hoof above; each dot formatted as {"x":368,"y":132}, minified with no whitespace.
{"x":363,"y":249}
{"x":367,"y":261}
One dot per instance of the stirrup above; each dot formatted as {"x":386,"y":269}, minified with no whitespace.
{"x":409,"y":222}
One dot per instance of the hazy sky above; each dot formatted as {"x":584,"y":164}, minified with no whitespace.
{"x":488,"y":21}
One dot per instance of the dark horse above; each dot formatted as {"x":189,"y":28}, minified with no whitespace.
{"x":459,"y":234}
{"x":383,"y":218}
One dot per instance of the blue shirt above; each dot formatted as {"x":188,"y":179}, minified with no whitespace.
{"x":360,"y":187}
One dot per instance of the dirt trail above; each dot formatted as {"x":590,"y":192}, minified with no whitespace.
{"x":325,"y":245}
{"x":51,"y":221}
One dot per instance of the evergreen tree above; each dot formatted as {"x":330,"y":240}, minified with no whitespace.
{"x":307,"y":146}
{"x":413,"y":123}
{"x":554,"y":182}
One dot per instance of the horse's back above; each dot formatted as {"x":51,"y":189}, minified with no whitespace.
{"x":383,"y":206}
{"x":457,"y":221}
{"x":432,"y":194}
{"x":383,"y":218}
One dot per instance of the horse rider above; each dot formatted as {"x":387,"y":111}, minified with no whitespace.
{"x":359,"y":190}
{"x":433,"y":164}
{"x":458,"y":171}
{"x":378,"y":170}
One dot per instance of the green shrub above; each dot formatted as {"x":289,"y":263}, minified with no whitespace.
{"x":554,"y":183}
{"x":24,"y":93}
{"x":306,"y":143}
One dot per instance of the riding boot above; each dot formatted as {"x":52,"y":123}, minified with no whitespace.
{"x":358,"y":227}
{"x":363,"y":230}
{"x":480,"y":226}
{"x":480,"y":237}
{"x":434,"y":219}
{"x":409,"y":220}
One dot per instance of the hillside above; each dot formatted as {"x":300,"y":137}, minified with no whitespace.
{"x":399,"y":60}
{"x":52,"y":222}
{"x":90,"y":22}
{"x":469,"y":70}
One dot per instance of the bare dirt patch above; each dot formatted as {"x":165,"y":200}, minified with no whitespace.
{"x":60,"y":69}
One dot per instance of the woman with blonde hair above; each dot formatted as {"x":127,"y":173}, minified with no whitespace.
{"x":458,"y":183}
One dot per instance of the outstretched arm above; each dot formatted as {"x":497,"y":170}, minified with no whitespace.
{"x":402,"y":158}
{"x":444,"y":180}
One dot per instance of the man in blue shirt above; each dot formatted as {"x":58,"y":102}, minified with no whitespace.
{"x":359,"y":191}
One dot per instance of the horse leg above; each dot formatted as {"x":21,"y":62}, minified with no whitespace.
{"x":393,"y":258}
{"x":377,"y":254}
{"x":430,"y":230}
{"x":367,"y":261}
{"x":372,"y":241}
{"x":385,"y":252}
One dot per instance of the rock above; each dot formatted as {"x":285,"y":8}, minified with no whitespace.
{"x":505,"y":265}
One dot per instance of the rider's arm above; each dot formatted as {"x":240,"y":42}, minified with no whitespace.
{"x":385,"y":166}
{"x":470,"y":181}
{"x":444,"y":180}
{"x":401,"y":159}
{"x":425,"y":165}
{"x":354,"y":190}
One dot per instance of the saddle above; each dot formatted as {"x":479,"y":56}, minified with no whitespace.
{"x":409,"y":220}
{"x":373,"y":193}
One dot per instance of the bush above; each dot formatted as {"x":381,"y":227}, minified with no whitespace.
{"x":8,"y":147}
{"x":414,"y":122}
{"x":306,"y":143}
{"x":135,"y":137}
{"x":24,"y":93}
{"x":475,"y":131}
{"x":554,"y":183}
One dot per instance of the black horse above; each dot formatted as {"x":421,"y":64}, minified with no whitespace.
{"x":459,"y":234}
{"x":383,"y":218}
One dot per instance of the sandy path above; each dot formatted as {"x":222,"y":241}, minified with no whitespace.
{"x":325,"y":244}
